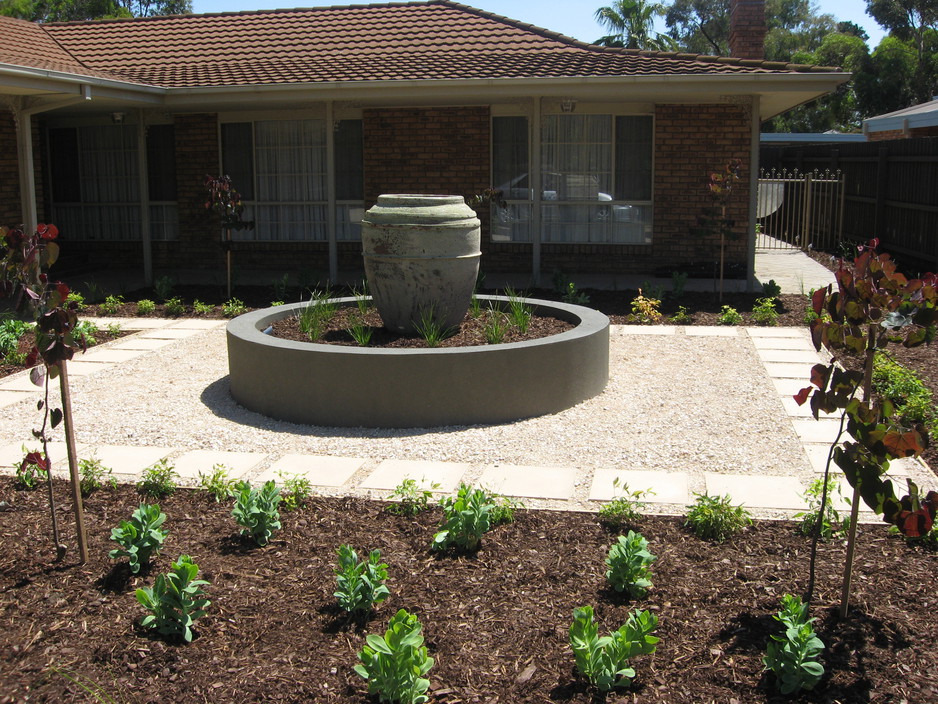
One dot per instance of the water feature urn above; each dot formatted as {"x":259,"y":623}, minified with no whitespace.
{"x":421,"y":257}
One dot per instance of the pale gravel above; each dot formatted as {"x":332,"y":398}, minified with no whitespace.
{"x":673,"y":403}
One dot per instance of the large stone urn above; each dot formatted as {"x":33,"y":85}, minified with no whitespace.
{"x":421,"y":257}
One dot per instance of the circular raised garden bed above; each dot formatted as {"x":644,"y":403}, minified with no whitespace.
{"x":341,"y":386}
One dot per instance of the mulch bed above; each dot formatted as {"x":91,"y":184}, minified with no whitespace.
{"x":496,"y":622}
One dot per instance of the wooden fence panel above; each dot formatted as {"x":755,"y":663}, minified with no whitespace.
{"x":891,"y":190}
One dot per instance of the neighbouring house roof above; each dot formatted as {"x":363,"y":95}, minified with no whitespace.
{"x":811,"y":137}
{"x":923,"y":115}
{"x":415,"y":42}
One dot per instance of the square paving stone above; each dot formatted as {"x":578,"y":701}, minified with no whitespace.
{"x":21,"y":383}
{"x":786,"y":370}
{"x":197,"y":324}
{"x":809,"y":357}
{"x":790,"y":387}
{"x":238,"y":464}
{"x":643,"y":329}
{"x":110,"y":355}
{"x":169,"y":333}
{"x":8,"y":398}
{"x":666,"y":487}
{"x":83,"y":367}
{"x":782,"y":343}
{"x":127,"y":460}
{"x":529,"y":482}
{"x":390,"y":473}
{"x":132,"y":323}
{"x":757,"y":492}
{"x":822,"y":431}
{"x":712,"y":331}
{"x":141,"y":343}
{"x":319,"y":469}
{"x":793,"y":410}
{"x":775,"y":332}
{"x":12,"y":454}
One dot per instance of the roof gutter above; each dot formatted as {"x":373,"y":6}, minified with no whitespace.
{"x":49,"y":81}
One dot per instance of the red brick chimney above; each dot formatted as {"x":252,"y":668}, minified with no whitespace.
{"x":747,"y":29}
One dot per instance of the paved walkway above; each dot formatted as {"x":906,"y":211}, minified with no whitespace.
{"x":787,"y":354}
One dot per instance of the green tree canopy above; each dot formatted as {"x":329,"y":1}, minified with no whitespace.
{"x":915,"y":22}
{"x":72,"y":10}
{"x":630,"y":24}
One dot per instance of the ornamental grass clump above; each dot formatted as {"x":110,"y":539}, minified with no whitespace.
{"x":175,"y":600}
{"x":628,"y":562}
{"x":715,"y":518}
{"x":395,"y":664}
{"x":141,"y":537}
{"x":605,"y":661}
{"x":360,"y":583}
{"x":256,"y":511}
{"x":792,"y":656}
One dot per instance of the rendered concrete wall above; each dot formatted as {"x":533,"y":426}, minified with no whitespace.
{"x":338,"y":386}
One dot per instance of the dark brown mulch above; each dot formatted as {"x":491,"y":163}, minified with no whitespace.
{"x":496,"y":622}
{"x":26,"y":343}
{"x":470,"y":332}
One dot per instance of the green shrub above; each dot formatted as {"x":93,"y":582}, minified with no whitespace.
{"x":681,"y":317}
{"x":11,"y":330}
{"x":570,"y":294}
{"x":764,"y":312}
{"x":141,"y":537}
{"x":94,"y":475}
{"x":395,"y":665}
{"x":296,"y":490}
{"x":628,"y":562}
{"x":770,"y":289}
{"x":792,"y":656}
{"x":831,"y":522}
{"x":163,"y":288}
{"x":605,"y":661}
{"x":645,"y":309}
{"x":175,"y":601}
{"x":466,"y":518}
{"x":85,"y":333}
{"x":729,"y":316}
{"x":145,"y":306}
{"x":233,"y":307}
{"x":218,"y":483}
{"x":360,"y":584}
{"x":111,"y":305}
{"x":158,"y":480}
{"x":624,"y":509}
{"x":77,"y":299}
{"x":912,"y":399}
{"x":200,"y":308}
{"x":174,"y":307}
{"x":715,"y":518}
{"x":256,"y":511}
{"x":411,"y":499}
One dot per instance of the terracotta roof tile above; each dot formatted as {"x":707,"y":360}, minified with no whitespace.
{"x":431,"y":40}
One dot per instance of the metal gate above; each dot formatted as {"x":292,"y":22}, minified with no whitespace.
{"x":800,"y":210}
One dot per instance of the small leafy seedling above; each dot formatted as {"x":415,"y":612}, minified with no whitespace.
{"x":605,"y":661}
{"x":628,"y":562}
{"x":395,"y":665}
{"x":111,"y":305}
{"x":174,"y":307}
{"x":764,"y":312}
{"x":411,"y":500}
{"x":94,"y":475}
{"x":158,"y":480}
{"x":624,"y":509}
{"x":256,"y":511}
{"x":145,"y":306}
{"x":831,"y":522}
{"x":466,"y":518}
{"x":646,"y":309}
{"x":792,"y":656}
{"x":715,"y":518}
{"x":219,"y":483}
{"x":32,"y":469}
{"x":729,"y":316}
{"x":175,"y":601}
{"x":200,"y":308}
{"x":233,"y":307}
{"x":360,"y":584}
{"x":141,"y":537}
{"x":297,"y":488}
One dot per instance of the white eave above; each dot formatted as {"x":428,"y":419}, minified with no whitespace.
{"x":777,"y":92}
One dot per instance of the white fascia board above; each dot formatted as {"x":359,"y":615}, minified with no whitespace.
{"x":899,"y":122}
{"x":31,"y":81}
{"x":791,"y":90}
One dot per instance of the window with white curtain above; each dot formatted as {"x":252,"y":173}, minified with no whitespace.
{"x":95,"y":176}
{"x":596,"y":178}
{"x":279,"y":167}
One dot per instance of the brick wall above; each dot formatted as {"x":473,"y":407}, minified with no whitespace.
{"x":747,"y":29}
{"x":10,"y":214}
{"x":901,"y":134}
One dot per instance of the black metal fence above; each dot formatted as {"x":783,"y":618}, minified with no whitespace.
{"x":801,"y":210}
{"x":891,"y":190}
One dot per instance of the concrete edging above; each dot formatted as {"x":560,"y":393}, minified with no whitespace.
{"x":338,"y":386}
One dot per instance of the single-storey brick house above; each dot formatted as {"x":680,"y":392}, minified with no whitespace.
{"x":108,"y":129}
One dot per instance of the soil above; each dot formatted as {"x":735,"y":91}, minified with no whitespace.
{"x":470,"y":332}
{"x":26,"y":342}
{"x":495,"y":622}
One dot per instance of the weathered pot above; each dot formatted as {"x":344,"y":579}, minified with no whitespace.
{"x":421,"y":259}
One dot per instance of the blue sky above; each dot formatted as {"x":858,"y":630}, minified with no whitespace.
{"x":571,"y":17}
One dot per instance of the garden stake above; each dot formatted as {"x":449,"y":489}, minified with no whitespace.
{"x":73,"y":463}
{"x":59,"y":546}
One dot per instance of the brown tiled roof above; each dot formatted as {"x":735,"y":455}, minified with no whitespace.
{"x":438,"y":39}
{"x":30,"y":46}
